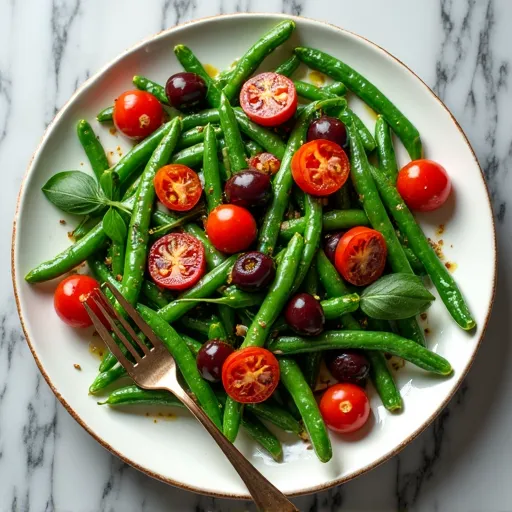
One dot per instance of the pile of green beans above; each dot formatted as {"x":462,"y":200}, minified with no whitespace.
{"x":218,"y":142}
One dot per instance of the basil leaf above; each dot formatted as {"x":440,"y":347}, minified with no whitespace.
{"x":109,"y":182}
{"x":115,"y":226}
{"x":395,"y":297}
{"x":74,"y":192}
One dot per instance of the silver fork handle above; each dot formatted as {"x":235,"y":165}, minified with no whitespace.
{"x":267,"y":497}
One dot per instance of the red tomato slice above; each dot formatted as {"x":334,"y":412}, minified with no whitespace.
{"x":269,"y":99}
{"x":424,"y":185}
{"x":69,"y":298}
{"x":250,"y":375}
{"x":345,"y":408}
{"x":266,"y":163}
{"x":177,"y":261}
{"x":231,"y":228}
{"x":361,"y":255}
{"x":320,"y":167}
{"x":178,"y":187}
{"x":137,"y":114}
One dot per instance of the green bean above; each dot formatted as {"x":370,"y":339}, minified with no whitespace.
{"x":380,"y":374}
{"x":336,"y":307}
{"x":195,"y":136}
{"x":234,"y":142}
{"x":86,"y":225}
{"x":118,"y":253}
{"x":138,"y":230}
{"x":193,"y":345}
{"x":277,"y":295}
{"x":312,"y":236}
{"x":105,"y":115}
{"x":363,"y":132}
{"x":227,"y":317}
{"x":269,"y":140}
{"x":283,"y":180}
{"x":69,"y":258}
{"x":213,"y":257}
{"x":193,"y":156}
{"x":231,"y":419}
{"x":294,"y":381}
{"x":92,"y":147}
{"x":217,"y":331}
{"x":104,"y":379}
{"x":199,"y":325}
{"x":314,"y":93}
{"x":385,"y":149}
{"x":262,"y":435}
{"x":223,"y":77}
{"x":163,"y":223}
{"x":253,"y":148}
{"x":186,"y":362}
{"x":288,"y":67}
{"x":156,"y":295}
{"x":331,"y":221}
{"x":378,"y":217}
{"x":201,"y":119}
{"x":414,"y":261}
{"x":342,"y":198}
{"x":275,"y":415}
{"x":145,"y":84}
{"x":192,"y":64}
{"x":364,"y":340}
{"x":205,"y":287}
{"x":363,"y":88}
{"x":212,"y":186}
{"x":310,"y":283}
{"x":441,"y":277}
{"x":336,"y":88}
{"x":251,"y":60}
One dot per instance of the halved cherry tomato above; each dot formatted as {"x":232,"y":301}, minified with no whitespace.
{"x":250,"y":375}
{"x":345,"y":408}
{"x":69,"y":297}
{"x":231,"y":228}
{"x":361,"y":255}
{"x":177,"y":261}
{"x":320,"y":167}
{"x":137,"y":114}
{"x":269,"y":99}
{"x":424,"y":185}
{"x":266,"y":163}
{"x":178,"y":187}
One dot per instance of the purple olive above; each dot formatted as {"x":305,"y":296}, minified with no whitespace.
{"x":186,"y":91}
{"x":330,"y":245}
{"x":248,"y":188}
{"x":253,"y":271}
{"x":329,"y":128}
{"x":305,"y":315}
{"x":348,"y":366}
{"x":211,"y":357}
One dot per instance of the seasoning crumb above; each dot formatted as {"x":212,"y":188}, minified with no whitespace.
{"x":440,"y":229}
{"x":81,"y":163}
{"x":427,"y":331}
{"x":437,"y":248}
{"x":119,"y":277}
{"x":440,"y":242}
{"x":155,"y":421}
{"x":62,"y":222}
{"x":262,"y":324}
{"x":241,"y":330}
{"x":113,"y":130}
{"x":111,"y":153}
{"x":452,"y":267}
{"x":108,"y":261}
{"x":423,"y":316}
{"x":200,"y":129}
{"x":77,"y":366}
{"x":400,"y":207}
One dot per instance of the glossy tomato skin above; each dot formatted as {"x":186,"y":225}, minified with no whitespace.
{"x":345,"y":408}
{"x":137,"y":114}
{"x":320,"y":167}
{"x":231,"y":228}
{"x":178,"y":187}
{"x":360,"y":256}
{"x":177,"y":261}
{"x":69,"y":297}
{"x":250,"y":375}
{"x":269,"y":99}
{"x":424,"y":185}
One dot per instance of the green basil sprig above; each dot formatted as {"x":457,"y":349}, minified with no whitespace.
{"x":395,"y":296}
{"x":115,"y":226}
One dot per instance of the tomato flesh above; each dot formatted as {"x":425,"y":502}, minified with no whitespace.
{"x":269,"y":99}
{"x":178,"y":187}
{"x":320,"y":167}
{"x":231,"y":228}
{"x":345,"y":408}
{"x":250,"y":375}
{"x":177,"y":261}
{"x":424,"y":185}
{"x":137,"y":114}
{"x":266,"y":163}
{"x":69,"y":298}
{"x":360,"y":256}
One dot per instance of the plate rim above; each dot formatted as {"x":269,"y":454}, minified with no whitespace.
{"x":82,"y":422}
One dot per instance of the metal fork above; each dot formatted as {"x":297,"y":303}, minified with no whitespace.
{"x":156,"y":369}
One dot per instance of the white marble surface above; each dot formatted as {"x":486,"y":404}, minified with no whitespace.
{"x":461,"y":48}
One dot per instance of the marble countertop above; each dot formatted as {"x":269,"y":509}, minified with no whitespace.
{"x":461,"y":48}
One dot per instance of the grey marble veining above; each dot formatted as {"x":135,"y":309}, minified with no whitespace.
{"x":461,"y":48}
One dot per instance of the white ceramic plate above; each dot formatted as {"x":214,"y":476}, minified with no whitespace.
{"x":180,"y":452}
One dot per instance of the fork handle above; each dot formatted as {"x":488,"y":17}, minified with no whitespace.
{"x":267,"y":497}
